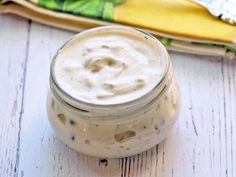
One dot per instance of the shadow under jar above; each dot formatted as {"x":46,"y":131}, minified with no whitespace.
{"x":112,"y":129}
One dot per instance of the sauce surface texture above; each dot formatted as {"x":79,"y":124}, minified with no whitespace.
{"x":109,"y":66}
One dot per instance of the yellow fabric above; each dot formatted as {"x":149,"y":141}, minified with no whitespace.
{"x":176,"y":17}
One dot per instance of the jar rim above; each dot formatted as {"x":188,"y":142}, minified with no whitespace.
{"x":75,"y":101}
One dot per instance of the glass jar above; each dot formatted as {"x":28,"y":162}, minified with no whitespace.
{"x":117,"y":130}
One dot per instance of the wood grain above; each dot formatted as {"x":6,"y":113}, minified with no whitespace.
{"x":13,"y":57}
{"x":202,"y":143}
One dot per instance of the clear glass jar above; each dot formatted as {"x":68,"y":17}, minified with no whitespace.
{"x":117,"y":130}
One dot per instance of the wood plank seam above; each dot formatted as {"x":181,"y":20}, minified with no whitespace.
{"x":16,"y":166}
{"x":224,"y":114}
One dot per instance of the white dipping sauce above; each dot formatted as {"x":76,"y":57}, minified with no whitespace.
{"x":109,"y":67}
{"x":127,"y":78}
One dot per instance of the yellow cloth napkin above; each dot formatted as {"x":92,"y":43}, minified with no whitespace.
{"x":178,"y":18}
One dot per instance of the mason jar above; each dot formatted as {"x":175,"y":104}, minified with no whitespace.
{"x":115,"y":130}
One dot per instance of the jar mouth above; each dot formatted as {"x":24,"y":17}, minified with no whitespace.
{"x":75,"y":102}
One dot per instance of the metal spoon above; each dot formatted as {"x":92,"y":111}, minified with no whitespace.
{"x":223,"y":9}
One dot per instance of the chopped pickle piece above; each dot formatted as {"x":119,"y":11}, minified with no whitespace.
{"x":124,"y":136}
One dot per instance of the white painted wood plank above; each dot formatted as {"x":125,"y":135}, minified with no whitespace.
{"x":38,"y":156}
{"x":229,"y":78}
{"x":42,"y":154}
{"x":201,"y":144}
{"x":204,"y":93}
{"x":13,"y":47}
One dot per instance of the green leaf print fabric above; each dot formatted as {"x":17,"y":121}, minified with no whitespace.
{"x":164,"y":19}
{"x":90,"y":8}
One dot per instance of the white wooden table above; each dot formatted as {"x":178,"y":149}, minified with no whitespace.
{"x":202,"y":144}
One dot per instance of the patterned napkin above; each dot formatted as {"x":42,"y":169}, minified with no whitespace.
{"x":181,"y":25}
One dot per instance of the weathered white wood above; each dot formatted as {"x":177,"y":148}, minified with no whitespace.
{"x":202,"y":142}
{"x":41,"y":153}
{"x":13,"y":47}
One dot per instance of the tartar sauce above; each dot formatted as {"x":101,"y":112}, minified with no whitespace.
{"x":109,"y":67}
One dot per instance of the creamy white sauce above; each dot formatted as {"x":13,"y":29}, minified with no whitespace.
{"x":109,"y":66}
